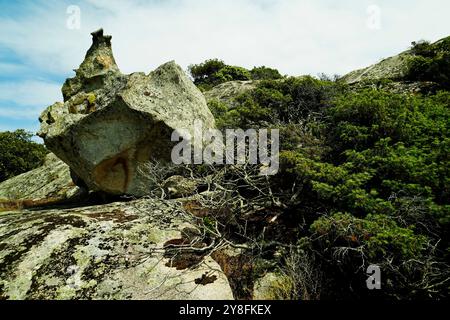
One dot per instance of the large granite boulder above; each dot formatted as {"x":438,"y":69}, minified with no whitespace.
{"x":121,"y":250}
{"x":111,"y":123}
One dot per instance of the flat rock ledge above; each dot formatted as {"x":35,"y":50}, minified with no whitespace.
{"x":113,"y":251}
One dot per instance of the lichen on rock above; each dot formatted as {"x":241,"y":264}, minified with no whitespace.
{"x":111,"y":123}
{"x":49,"y":183}
{"x":113,"y":251}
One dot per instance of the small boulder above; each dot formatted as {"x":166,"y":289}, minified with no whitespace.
{"x":46,"y":184}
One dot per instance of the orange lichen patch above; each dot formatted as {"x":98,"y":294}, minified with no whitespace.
{"x":11,"y":205}
{"x":353,"y":238}
{"x":184,"y":260}
{"x":196,"y":209}
{"x":116,"y":215}
{"x":105,"y":61}
{"x":239,"y":271}
{"x":143,"y":151}
{"x":114,"y":174}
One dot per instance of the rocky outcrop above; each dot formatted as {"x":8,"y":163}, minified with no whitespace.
{"x":393,"y":68}
{"x":111,"y":123}
{"x":49,"y":183}
{"x":226,"y":92}
{"x":122,"y":250}
{"x":390,"y":74}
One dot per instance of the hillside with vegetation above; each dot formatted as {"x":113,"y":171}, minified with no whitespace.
{"x":364,"y":176}
{"x":364,"y":180}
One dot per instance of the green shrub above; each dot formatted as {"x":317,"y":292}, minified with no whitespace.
{"x":280,"y":102}
{"x":265,"y":73}
{"x":364,"y":178}
{"x":231,"y":73}
{"x":294,"y":99}
{"x":402,"y":138}
{"x":204,"y":71}
{"x":431,"y":62}
{"x":422,"y":48}
{"x":19,"y":153}
{"x":384,"y":162}
{"x":348,"y":245}
{"x":379,"y":236}
{"x":214,"y":72}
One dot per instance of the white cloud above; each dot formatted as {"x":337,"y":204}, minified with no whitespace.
{"x":27,"y":98}
{"x":10,"y":68}
{"x":295,"y":36}
{"x":21,"y":112}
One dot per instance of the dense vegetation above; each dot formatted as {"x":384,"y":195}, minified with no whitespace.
{"x":19,"y":153}
{"x":431,"y":62}
{"x":214,"y":72}
{"x":365,"y":179}
{"x":380,"y":184}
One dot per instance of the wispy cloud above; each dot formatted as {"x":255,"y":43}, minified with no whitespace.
{"x":30,"y":92}
{"x":295,"y":36}
{"x":27,"y":99}
{"x":11,"y":68}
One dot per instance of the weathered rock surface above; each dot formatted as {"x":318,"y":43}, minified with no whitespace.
{"x":111,"y":123}
{"x":267,"y":287}
{"x":389,"y":68}
{"x":113,"y":251}
{"x":50,"y":182}
{"x":390,"y":74}
{"x":226,"y":92}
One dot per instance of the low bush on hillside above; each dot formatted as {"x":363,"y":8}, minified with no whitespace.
{"x":278,"y":102}
{"x":213,"y":72}
{"x":364,"y":179}
{"x":19,"y":153}
{"x":431,"y":62}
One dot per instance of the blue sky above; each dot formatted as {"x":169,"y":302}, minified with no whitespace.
{"x":38,"y":50}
